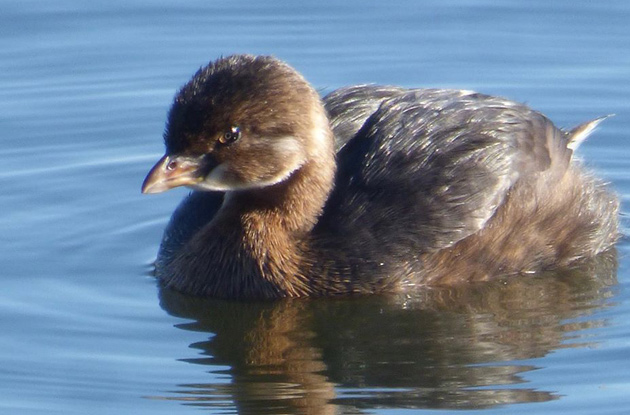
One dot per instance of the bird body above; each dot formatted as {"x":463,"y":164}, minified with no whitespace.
{"x":370,"y":189}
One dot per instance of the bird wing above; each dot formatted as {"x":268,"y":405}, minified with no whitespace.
{"x":349,"y":107}
{"x":426,"y":168}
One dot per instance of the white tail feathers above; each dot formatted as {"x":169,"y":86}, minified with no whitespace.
{"x":578,"y":134}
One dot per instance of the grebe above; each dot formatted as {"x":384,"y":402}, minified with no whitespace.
{"x":372,"y":189}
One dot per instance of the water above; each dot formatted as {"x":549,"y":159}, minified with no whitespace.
{"x":84,"y":88}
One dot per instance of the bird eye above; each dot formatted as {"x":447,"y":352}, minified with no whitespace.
{"x":172,"y":165}
{"x":230,"y":136}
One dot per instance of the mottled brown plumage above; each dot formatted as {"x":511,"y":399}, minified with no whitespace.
{"x":374,"y":189}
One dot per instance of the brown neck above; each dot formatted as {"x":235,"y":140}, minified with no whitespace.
{"x":292,"y":206}
{"x":271,"y":225}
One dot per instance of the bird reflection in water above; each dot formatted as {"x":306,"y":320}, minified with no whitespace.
{"x":457,"y":347}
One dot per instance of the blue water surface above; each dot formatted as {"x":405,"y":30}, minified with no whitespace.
{"x":84,"y":90}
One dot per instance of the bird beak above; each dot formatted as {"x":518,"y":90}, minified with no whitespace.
{"x":171,"y":171}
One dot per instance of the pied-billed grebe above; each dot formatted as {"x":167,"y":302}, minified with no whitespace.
{"x":374,"y":189}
